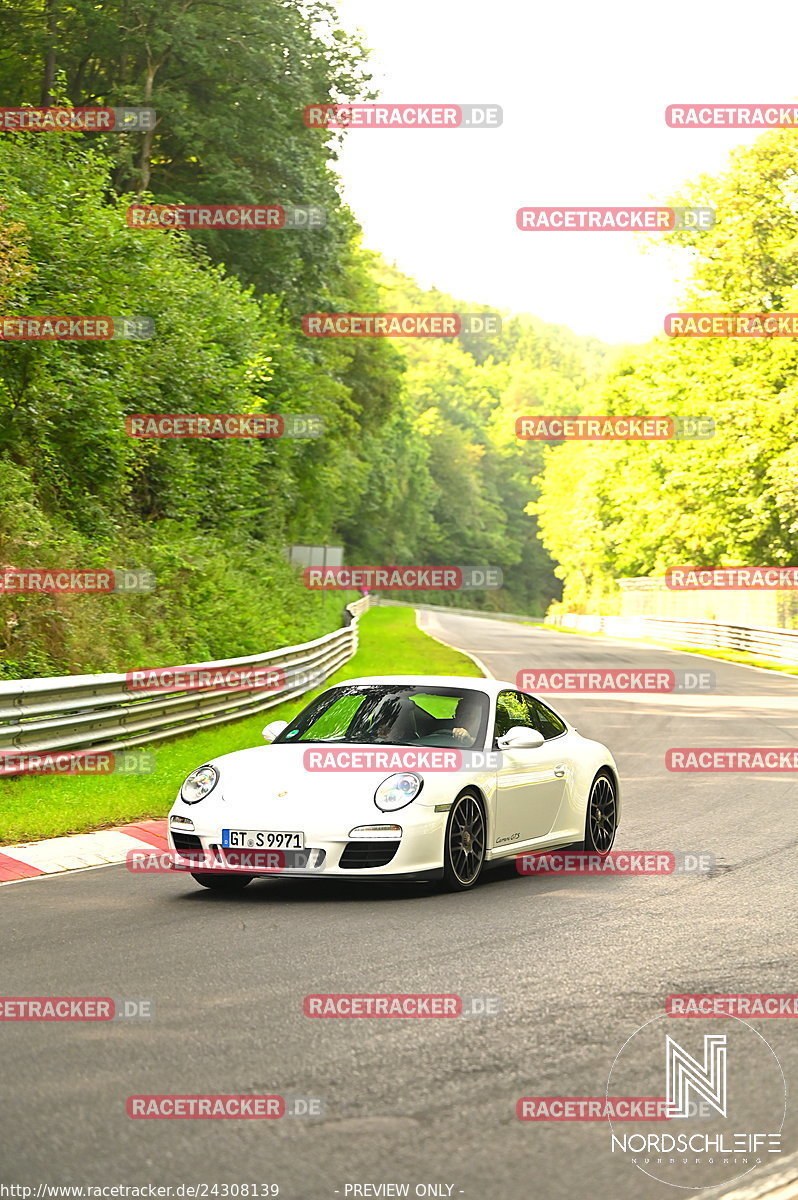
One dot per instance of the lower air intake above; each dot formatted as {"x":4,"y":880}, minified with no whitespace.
{"x":367,"y":854}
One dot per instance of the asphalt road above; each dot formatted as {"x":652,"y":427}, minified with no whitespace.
{"x":579,"y":964}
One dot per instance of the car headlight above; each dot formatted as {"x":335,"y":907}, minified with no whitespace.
{"x":397,"y":791}
{"x":199,"y":784}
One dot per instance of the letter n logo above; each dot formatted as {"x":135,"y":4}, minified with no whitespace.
{"x":685,"y":1074}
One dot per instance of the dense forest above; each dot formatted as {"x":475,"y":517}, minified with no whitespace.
{"x":636,"y":508}
{"x":419,"y":462}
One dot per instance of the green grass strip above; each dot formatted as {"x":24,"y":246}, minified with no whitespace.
{"x":42,"y":806}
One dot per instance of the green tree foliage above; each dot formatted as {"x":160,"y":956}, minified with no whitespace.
{"x":229,"y":82}
{"x":635,"y":508}
{"x":457,"y":457}
{"x":211,"y":518}
{"x":418,"y":462}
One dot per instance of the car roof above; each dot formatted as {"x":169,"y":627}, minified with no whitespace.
{"x":475,"y":682}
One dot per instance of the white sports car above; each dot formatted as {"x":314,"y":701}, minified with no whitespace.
{"x":416,"y":778}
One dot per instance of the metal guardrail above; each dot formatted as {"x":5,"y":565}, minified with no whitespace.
{"x":103,"y":713}
{"x":777,"y":645}
{"x":464,"y":612}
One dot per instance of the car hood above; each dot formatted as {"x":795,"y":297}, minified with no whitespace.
{"x":276,"y":775}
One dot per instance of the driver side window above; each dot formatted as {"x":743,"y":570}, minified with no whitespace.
{"x":511,"y":709}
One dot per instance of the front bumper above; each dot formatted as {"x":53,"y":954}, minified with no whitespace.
{"x":415,"y":856}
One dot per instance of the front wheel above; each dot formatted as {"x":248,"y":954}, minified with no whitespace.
{"x":601,"y":821}
{"x":223,"y":883}
{"x":464,"y":843}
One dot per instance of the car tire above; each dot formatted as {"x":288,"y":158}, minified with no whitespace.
{"x":601,"y":818}
{"x":464,"y":843}
{"x":223,"y":883}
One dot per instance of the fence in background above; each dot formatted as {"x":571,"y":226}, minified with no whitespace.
{"x":740,"y":608}
{"x":776,"y":645}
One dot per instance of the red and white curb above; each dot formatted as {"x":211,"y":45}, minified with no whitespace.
{"x":56,"y":855}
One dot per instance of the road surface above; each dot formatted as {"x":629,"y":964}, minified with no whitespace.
{"x":578,"y":965}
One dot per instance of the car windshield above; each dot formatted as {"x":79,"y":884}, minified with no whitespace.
{"x":393,"y":714}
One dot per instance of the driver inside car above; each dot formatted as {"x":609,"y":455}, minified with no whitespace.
{"x":464,"y":725}
{"x":397,"y":722}
{"x":403,"y":722}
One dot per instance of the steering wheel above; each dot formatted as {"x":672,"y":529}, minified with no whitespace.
{"x":442,"y":738}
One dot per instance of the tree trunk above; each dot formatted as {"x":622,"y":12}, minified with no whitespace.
{"x":145,"y":164}
{"x":48,"y":79}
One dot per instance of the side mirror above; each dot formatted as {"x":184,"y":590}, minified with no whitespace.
{"x":520,"y":738}
{"x":271,"y":730}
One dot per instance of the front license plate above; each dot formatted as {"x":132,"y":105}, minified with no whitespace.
{"x":261,"y":839}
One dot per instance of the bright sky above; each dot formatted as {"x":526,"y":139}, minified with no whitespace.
{"x":584,"y":85}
